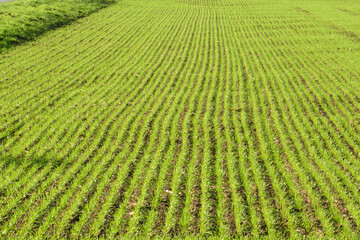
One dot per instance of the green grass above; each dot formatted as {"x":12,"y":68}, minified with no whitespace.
{"x":185,"y":118}
{"x":24,"y":20}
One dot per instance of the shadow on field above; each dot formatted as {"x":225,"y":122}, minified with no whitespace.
{"x":10,"y":164}
{"x":39,"y":161}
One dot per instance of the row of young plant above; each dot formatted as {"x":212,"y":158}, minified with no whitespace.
{"x":117,"y":93}
{"x":186,"y":118}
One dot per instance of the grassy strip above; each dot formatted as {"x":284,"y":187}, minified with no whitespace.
{"x":24,"y":20}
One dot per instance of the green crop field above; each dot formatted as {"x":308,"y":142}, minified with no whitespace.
{"x":185,"y":118}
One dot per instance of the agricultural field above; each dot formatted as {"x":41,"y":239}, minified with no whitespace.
{"x":185,"y":118}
